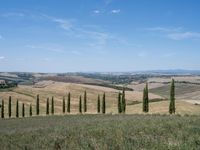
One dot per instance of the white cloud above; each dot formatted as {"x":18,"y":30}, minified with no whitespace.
{"x":115,"y":11}
{"x":184,"y":35}
{"x":96,"y":11}
{"x":2,"y":57}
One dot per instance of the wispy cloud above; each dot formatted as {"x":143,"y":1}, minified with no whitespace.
{"x":1,"y":37}
{"x":115,"y":11}
{"x":184,"y":35}
{"x":50,"y":48}
{"x":96,"y":11}
{"x":175,"y":33}
{"x":2,"y":57}
{"x":76,"y":30}
{"x":163,"y":29}
{"x":66,"y":24}
{"x":13,"y":14}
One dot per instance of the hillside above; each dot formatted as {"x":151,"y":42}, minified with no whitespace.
{"x":88,"y":132}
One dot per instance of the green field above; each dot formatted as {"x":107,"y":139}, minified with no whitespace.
{"x":101,"y":132}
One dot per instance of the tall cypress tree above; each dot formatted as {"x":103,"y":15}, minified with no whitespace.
{"x":147,"y":98}
{"x":119,"y":103}
{"x":52,"y":105}
{"x":68,"y":102}
{"x":98,"y":104}
{"x":144,"y":100}
{"x":85,"y":101}
{"x":123,"y":101}
{"x":17,"y":109}
{"x":80,"y":104}
{"x":104,"y":103}
{"x":2,"y":109}
{"x":23,"y":110}
{"x":47,"y":107}
{"x":63,"y":104}
{"x":38,"y":105}
{"x":30,"y":110}
{"x":172,"y":108}
{"x":9,"y":107}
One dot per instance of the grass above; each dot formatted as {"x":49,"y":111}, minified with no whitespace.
{"x":101,"y":132}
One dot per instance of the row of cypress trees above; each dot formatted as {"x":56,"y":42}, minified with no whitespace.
{"x":17,"y":109}
{"x":101,"y":106}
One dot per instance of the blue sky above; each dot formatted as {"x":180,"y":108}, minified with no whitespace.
{"x":99,"y":35}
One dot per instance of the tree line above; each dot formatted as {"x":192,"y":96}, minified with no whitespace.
{"x":101,"y":104}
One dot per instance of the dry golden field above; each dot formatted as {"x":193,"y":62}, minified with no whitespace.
{"x":46,"y":89}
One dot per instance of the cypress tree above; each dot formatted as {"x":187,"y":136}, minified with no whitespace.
{"x":119,"y":103}
{"x":23,"y":110}
{"x":2,"y":109}
{"x":98,"y":104}
{"x":38,"y":105}
{"x":123,"y":101}
{"x":147,"y":98}
{"x":9,"y":107}
{"x":17,"y":109}
{"x":63,"y":104}
{"x":30,"y":110}
{"x":144,"y":100}
{"x":80,"y":104}
{"x":68,"y":102}
{"x":47,"y":107}
{"x":172,"y":98}
{"x":52,"y":105}
{"x":104,"y":104}
{"x":85,"y":101}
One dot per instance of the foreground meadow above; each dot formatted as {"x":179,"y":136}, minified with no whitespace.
{"x":101,"y":132}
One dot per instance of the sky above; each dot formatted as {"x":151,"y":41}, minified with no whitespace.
{"x":99,"y":35}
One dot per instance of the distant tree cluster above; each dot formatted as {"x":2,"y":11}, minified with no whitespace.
{"x":7,"y":84}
